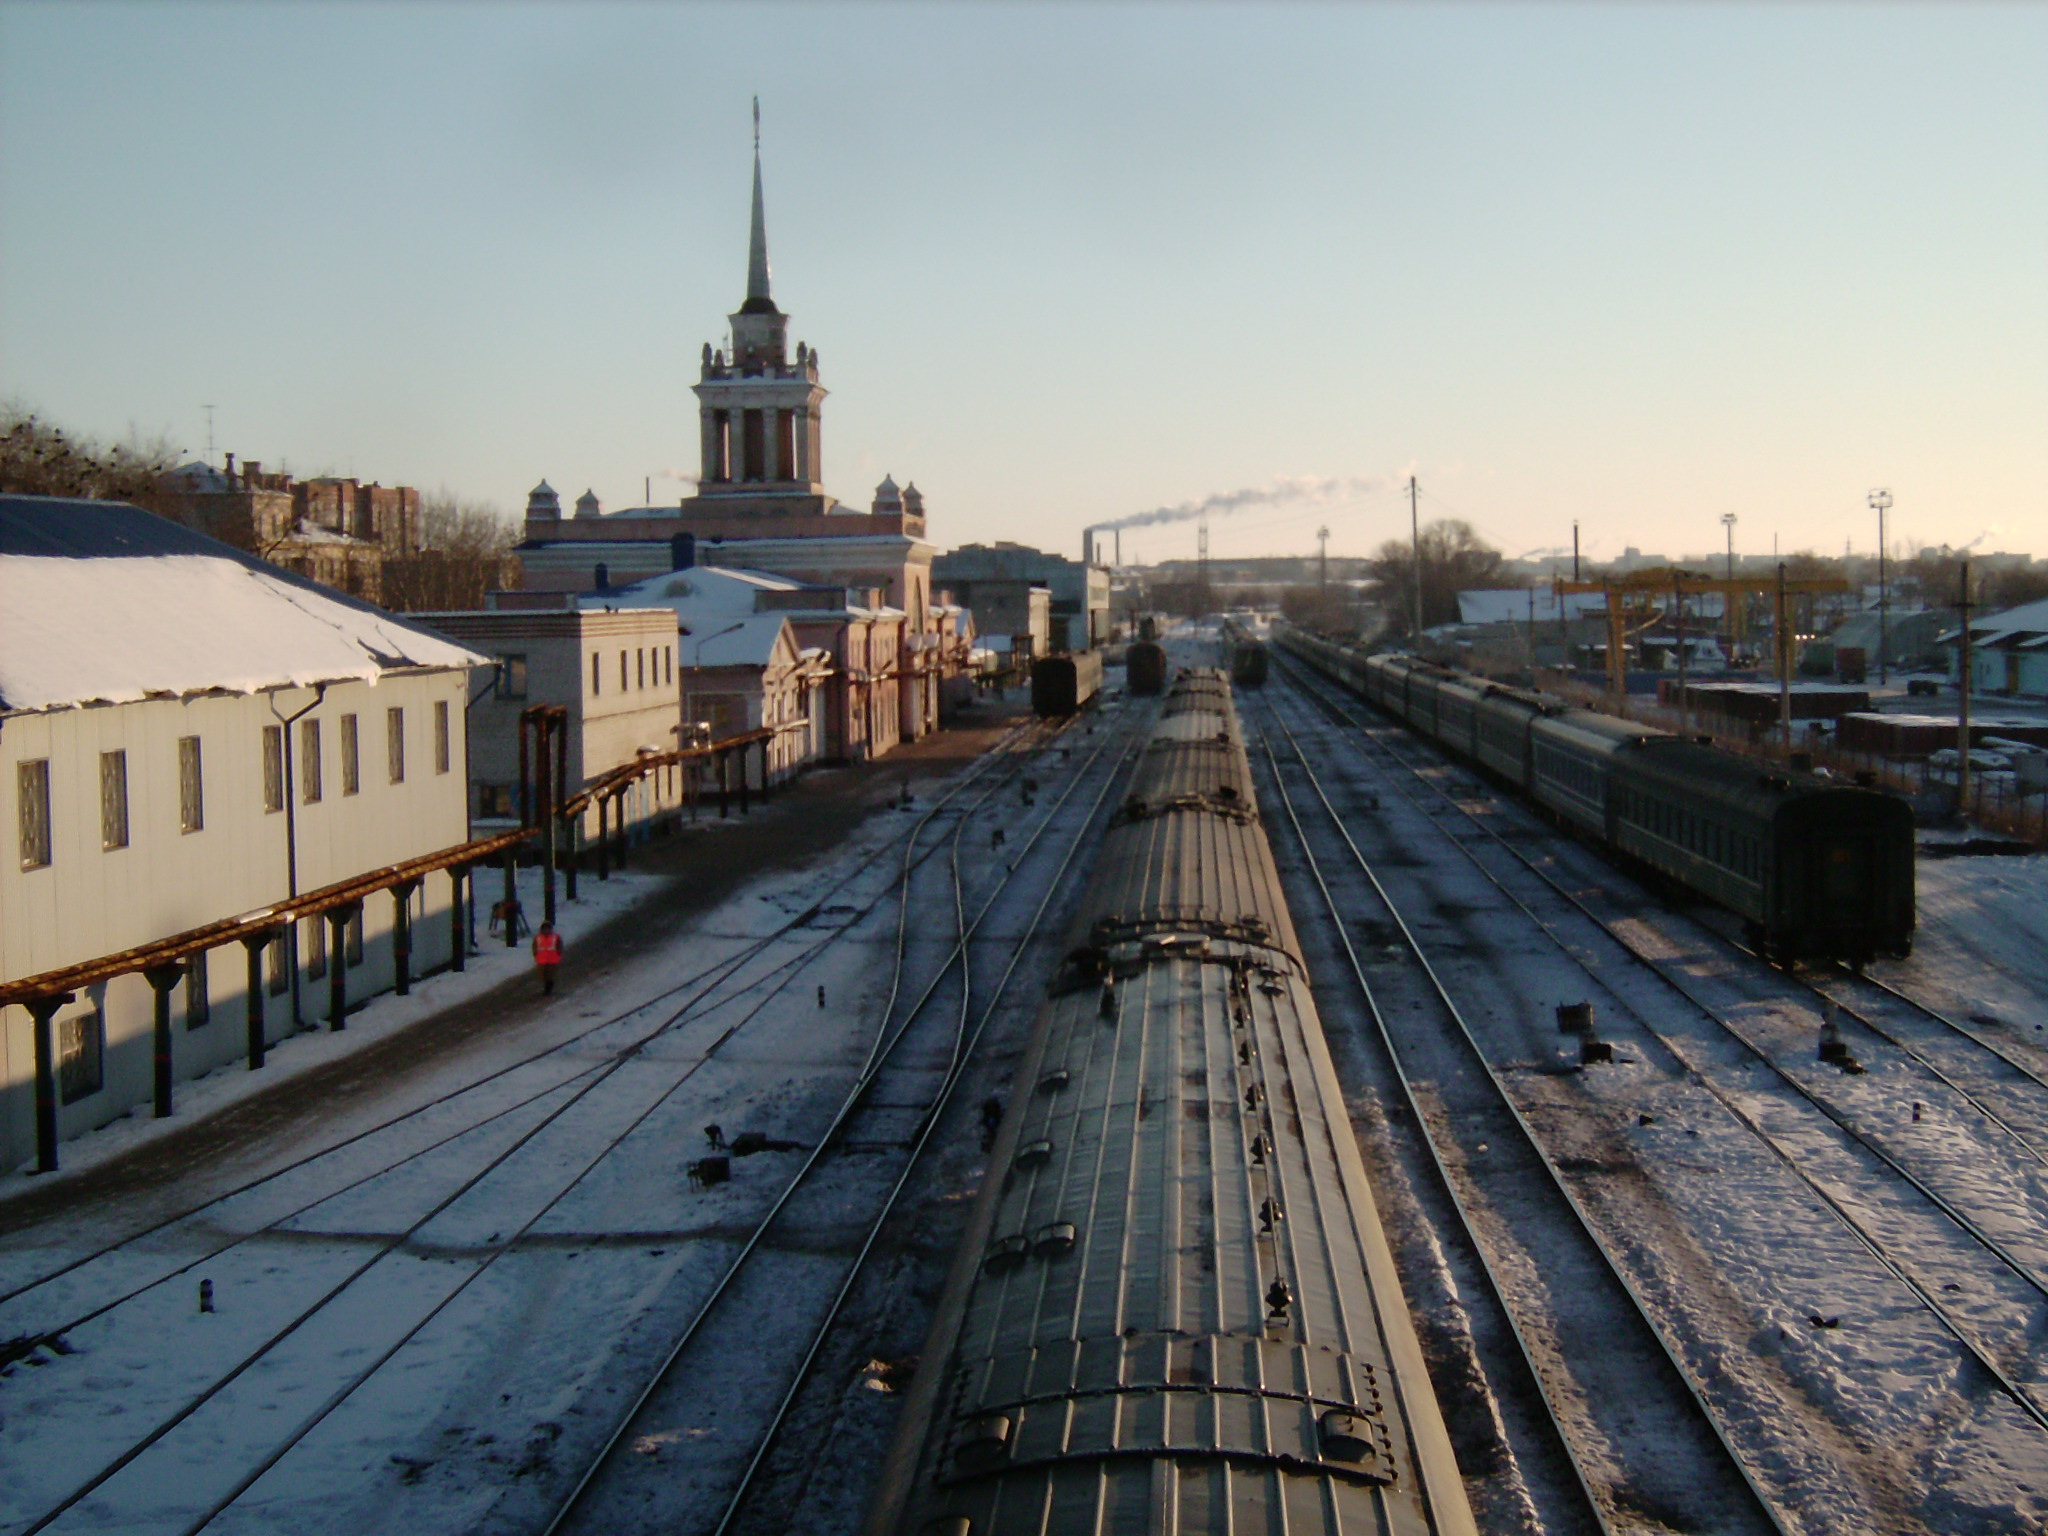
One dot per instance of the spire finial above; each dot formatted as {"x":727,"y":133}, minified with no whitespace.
{"x":757,"y":245}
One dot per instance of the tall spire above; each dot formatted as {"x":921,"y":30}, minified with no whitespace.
{"x":757,"y":244}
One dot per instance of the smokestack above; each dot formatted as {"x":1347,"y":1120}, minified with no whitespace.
{"x":1087,"y":546}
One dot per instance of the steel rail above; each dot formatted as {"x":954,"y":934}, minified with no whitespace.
{"x":597,"y":1077}
{"x":1868,"y":1240}
{"x":1693,"y":1391}
{"x":720,"y":971}
{"x":278,"y":1452}
{"x":927,"y":1126}
{"x":1466,"y":1216}
{"x":885,"y":1045}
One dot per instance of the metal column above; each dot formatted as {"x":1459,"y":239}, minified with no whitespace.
{"x":43,"y":1010}
{"x":161,"y":979}
{"x":458,"y":947}
{"x":401,"y":935}
{"x":254,"y":944}
{"x":337,"y":964}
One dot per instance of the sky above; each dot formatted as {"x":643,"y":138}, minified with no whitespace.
{"x":1634,"y":266}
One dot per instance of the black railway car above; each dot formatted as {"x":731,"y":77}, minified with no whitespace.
{"x":1175,"y":1310}
{"x":1145,"y":667}
{"x":1813,"y":868}
{"x":1248,"y":662}
{"x":1064,"y":685}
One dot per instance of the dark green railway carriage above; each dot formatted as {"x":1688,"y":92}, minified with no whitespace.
{"x":1812,"y":868}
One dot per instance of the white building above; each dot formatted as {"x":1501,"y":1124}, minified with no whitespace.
{"x":187,"y":735}
{"x":615,"y":675}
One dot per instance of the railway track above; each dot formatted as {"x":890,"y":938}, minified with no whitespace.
{"x":1999,"y":1311}
{"x":1629,"y":1411}
{"x":552,"y":1108}
{"x":18,"y":1324}
{"x":900,"y":1099}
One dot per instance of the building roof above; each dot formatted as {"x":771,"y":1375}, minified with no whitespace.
{"x":106,"y":603}
{"x":2013,"y":627}
{"x":748,"y":642}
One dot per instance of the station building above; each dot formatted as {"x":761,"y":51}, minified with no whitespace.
{"x":615,"y":673}
{"x":761,"y":506}
{"x":188,"y":735}
{"x":1077,"y":590}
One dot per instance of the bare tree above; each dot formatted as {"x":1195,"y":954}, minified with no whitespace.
{"x":39,"y":459}
{"x":466,"y":550}
{"x":1454,"y":559}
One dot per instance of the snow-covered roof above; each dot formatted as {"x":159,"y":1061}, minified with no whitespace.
{"x":1494,"y":605}
{"x":106,"y":603}
{"x":748,"y":642}
{"x":2012,"y":625}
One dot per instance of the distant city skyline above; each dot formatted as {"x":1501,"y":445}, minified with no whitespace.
{"x":1069,"y":265}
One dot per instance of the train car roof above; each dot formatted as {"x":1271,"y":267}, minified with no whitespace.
{"x":1602,"y":733}
{"x":1762,"y":790}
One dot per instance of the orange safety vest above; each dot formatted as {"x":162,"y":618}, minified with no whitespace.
{"x":547,"y":949}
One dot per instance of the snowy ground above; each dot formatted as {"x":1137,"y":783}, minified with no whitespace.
{"x":380,"y":1017}
{"x":1742,"y":1212}
{"x":438,"y":1310}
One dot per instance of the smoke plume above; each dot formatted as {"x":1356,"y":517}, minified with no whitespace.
{"x":1288,"y":490}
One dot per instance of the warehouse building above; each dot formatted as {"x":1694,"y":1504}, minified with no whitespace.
{"x":188,"y":735}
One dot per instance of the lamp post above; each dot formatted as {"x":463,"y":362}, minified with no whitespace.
{"x":1880,"y":501}
{"x":1728,"y":598}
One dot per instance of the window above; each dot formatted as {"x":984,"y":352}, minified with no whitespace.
{"x":273,"y":768}
{"x":493,"y":799}
{"x":81,"y":1047}
{"x":440,"y":736}
{"x":511,"y":677}
{"x":273,"y":955}
{"x":352,"y":938}
{"x":316,"y":947}
{"x":668,"y":663}
{"x":113,"y":800}
{"x":596,"y":681}
{"x":32,"y":794}
{"x":639,"y":668}
{"x":309,"y":761}
{"x":622,"y":671}
{"x":394,"y":742}
{"x":351,"y":760}
{"x":198,"y":996}
{"x":191,"y":790}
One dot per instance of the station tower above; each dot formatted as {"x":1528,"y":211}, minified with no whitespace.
{"x":757,"y":411}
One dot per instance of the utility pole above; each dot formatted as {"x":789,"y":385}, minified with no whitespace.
{"x":1575,"y":549}
{"x":1881,"y":501}
{"x":1969,"y":665}
{"x":1678,"y":611}
{"x":1728,"y":522}
{"x":1784,"y":643}
{"x":1415,"y":536}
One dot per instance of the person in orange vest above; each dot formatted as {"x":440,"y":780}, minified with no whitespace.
{"x":547,"y":955}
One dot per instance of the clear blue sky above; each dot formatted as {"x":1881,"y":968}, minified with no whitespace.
{"x":1636,"y":265}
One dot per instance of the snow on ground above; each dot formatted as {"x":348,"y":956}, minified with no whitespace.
{"x":416,"y":1216}
{"x":379,"y":1018}
{"x":1739,"y":1254}
{"x":1981,"y":955}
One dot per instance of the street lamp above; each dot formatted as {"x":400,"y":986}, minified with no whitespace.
{"x":1728,"y":598}
{"x":1880,"y":501}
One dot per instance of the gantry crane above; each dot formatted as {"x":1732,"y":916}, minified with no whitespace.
{"x":1668,"y":581}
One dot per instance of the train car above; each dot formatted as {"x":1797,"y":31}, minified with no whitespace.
{"x":1571,"y":756}
{"x":1145,"y":667}
{"x":1175,"y":1309}
{"x":1815,"y":870}
{"x":1064,"y":685}
{"x":1248,"y":663}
